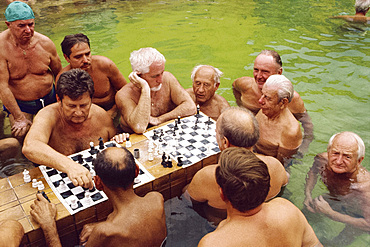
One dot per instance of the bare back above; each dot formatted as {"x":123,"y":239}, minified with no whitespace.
{"x":278,"y":223}
{"x":141,"y":222}
{"x":30,"y":72}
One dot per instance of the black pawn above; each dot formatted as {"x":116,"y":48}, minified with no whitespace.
{"x":169,"y":162}
{"x":80,"y":159}
{"x":178,"y":120}
{"x":179,"y":161}
{"x":164,"y":162}
{"x":101,"y":143}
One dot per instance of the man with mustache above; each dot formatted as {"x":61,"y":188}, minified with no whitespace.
{"x":206,"y":80}
{"x":28,"y":64}
{"x":104,"y":72}
{"x":154,"y":95}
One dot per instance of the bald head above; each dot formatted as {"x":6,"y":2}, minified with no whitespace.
{"x":239,"y":126}
{"x":350,"y":139}
{"x":116,"y":167}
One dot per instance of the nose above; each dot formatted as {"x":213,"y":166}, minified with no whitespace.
{"x":261,"y":101}
{"x":339,"y":159}
{"x":27,"y":29}
{"x":78,"y":112}
{"x":159,"y":78}
{"x":201,"y":88}
{"x":85,"y":59}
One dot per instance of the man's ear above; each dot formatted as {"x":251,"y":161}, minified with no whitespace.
{"x":98,"y":183}
{"x":217,"y":85}
{"x":284,"y":101}
{"x":58,"y":99}
{"x":66,"y":58}
{"x":280,"y":71}
{"x":223,"y":197}
{"x":137,"y":170}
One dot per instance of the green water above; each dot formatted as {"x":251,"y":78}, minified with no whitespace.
{"x":326,"y":59}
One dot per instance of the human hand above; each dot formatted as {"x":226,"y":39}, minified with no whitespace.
{"x":20,"y":126}
{"x":120,"y":138}
{"x":137,"y":80}
{"x":86,"y":232}
{"x":80,"y":176}
{"x":321,"y":205}
{"x":43,"y":212}
{"x":154,"y":121}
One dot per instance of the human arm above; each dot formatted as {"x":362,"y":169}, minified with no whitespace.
{"x":311,"y":180}
{"x":307,"y":125}
{"x":44,"y":213}
{"x":240,"y":87}
{"x":11,"y":233}
{"x":185,"y":106}
{"x":136,"y":115}
{"x":291,"y":139}
{"x":322,"y":206}
{"x":55,"y":63}
{"x":86,"y":232}
{"x":37,"y":149}
{"x":21,"y":123}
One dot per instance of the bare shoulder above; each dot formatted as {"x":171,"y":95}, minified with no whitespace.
{"x":45,"y":41}
{"x":206,"y":173}
{"x":221,"y":100}
{"x":49,"y":113}
{"x":211,"y":239}
{"x":127,"y":90}
{"x":270,"y":161}
{"x":297,"y":104}
{"x":243,"y":83}
{"x":154,"y":196}
{"x":99,"y":113}
{"x":101,"y":61}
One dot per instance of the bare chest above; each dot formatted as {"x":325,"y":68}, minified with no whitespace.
{"x":161,"y":103}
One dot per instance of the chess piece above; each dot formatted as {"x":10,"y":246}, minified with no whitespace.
{"x":87,"y":197}
{"x":62,"y":186}
{"x":169,"y":162}
{"x":40,"y":185}
{"x":80,"y":159}
{"x":26,"y":176}
{"x":34,"y":183}
{"x":101,"y":143}
{"x":44,"y":195}
{"x":93,"y":150}
{"x":150,"y":158}
{"x":128,"y":142}
{"x":175,"y":128}
{"x":74,"y":203}
{"x":137,"y":180}
{"x":179,"y":161}
{"x":164,"y":162}
{"x":178,"y":120}
{"x":198,"y":110}
{"x":93,"y":173}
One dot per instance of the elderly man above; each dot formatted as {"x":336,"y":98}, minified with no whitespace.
{"x":206,"y":80}
{"x":347,"y":180}
{"x":154,"y":95}
{"x":244,"y":184}
{"x":135,"y":221}
{"x":236,"y":127}
{"x":105,"y":74}
{"x":28,"y":64}
{"x":68,"y":126}
{"x":361,"y":7}
{"x":280,"y":132}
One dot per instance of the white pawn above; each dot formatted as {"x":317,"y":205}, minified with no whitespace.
{"x":128,"y":142}
{"x":62,"y":185}
{"x":26,"y":176}
{"x":93,"y":173}
{"x":150,"y":158}
{"x":34,"y":183}
{"x":40,"y":185}
{"x":87,"y":197}
{"x":74,"y":203}
{"x":137,"y":180}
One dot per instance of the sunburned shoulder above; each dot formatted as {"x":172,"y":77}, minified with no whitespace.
{"x":244,"y":82}
{"x":154,"y":196}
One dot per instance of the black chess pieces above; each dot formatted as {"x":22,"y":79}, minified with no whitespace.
{"x":169,"y":162}
{"x":155,"y":135}
{"x":176,"y":127}
{"x":179,"y":161}
{"x":178,"y":120}
{"x":164,"y":161}
{"x":101,"y":143}
{"x":198,"y":110}
{"x":44,"y":195}
{"x":93,"y":150}
{"x":80,"y":159}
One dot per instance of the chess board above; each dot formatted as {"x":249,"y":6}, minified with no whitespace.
{"x":193,"y":139}
{"x":66,"y":191}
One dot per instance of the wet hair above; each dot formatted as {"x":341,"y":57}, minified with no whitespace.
{"x":116,"y":171}
{"x":74,"y":83}
{"x":274,"y":55}
{"x":362,"y":6}
{"x":142,"y":59}
{"x":217,"y":73}
{"x":239,"y":126}
{"x":70,"y":40}
{"x":360,"y":143}
{"x":243,"y":178}
{"x":285,"y":87}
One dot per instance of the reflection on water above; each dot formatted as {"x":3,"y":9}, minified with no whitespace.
{"x":326,"y":59}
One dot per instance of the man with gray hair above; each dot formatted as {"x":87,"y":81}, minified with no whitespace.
{"x":206,"y":80}
{"x":348,"y":182}
{"x":361,"y":7}
{"x":280,"y":132}
{"x":154,"y":95}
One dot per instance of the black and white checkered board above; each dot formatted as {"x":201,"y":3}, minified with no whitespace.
{"x":195,"y":139}
{"x":68,"y":191}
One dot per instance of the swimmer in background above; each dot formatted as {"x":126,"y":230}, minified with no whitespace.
{"x":361,"y":7}
{"x":28,"y":65}
{"x":206,"y":80}
{"x":348,"y":182}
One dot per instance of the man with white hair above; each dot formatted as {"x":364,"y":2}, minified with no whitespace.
{"x":361,"y":7}
{"x":280,"y":132}
{"x":206,"y":80}
{"x":154,"y":95}
{"x":346,"y":179}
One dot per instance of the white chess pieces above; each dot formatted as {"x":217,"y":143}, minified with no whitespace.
{"x":26,"y":176}
{"x":34,"y":183}
{"x":74,"y":203}
{"x":137,"y":180}
{"x":150,"y":158}
{"x":40,"y":185}
{"x":62,"y":186}
{"x":92,"y":172}
{"x":128,"y":142}
{"x":87,"y":197}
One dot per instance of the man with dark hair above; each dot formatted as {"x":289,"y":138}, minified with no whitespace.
{"x":244,"y":183}
{"x":105,"y":74}
{"x":68,"y":127}
{"x":236,"y":127}
{"x":135,"y":221}
{"x":28,"y":64}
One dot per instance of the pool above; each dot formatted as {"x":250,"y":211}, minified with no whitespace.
{"x":328,"y":61}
